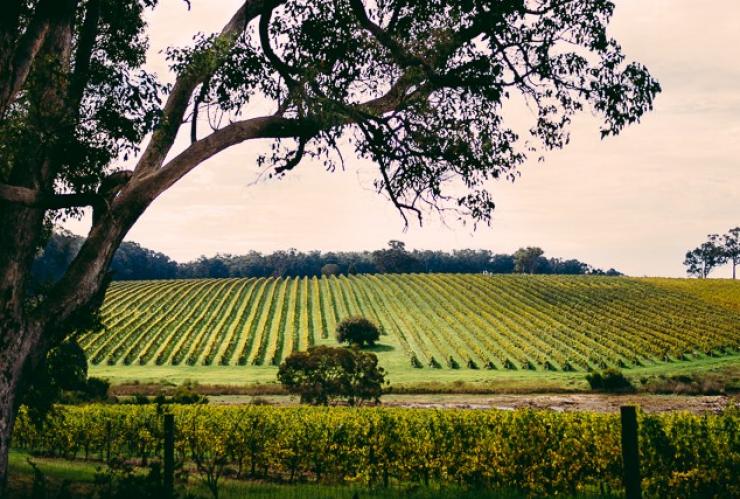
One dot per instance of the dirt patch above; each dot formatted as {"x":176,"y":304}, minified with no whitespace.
{"x":569,"y":402}
{"x":553,"y":402}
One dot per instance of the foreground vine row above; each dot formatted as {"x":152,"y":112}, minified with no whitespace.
{"x":538,"y":452}
{"x":557,"y":323}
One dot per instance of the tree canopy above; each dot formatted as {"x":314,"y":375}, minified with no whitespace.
{"x":325,"y":374}
{"x":715,"y":251}
{"x":357,"y":331}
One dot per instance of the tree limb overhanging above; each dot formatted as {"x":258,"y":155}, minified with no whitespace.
{"x":416,"y":86}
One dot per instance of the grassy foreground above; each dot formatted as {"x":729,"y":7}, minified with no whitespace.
{"x":79,"y":477}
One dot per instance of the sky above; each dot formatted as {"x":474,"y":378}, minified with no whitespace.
{"x":636,"y":202}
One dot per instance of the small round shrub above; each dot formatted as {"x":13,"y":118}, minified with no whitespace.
{"x":357,"y":331}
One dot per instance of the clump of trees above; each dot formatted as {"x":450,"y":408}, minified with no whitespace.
{"x":323,"y":375}
{"x":714,"y":252}
{"x":357,"y":331}
{"x":132,"y":261}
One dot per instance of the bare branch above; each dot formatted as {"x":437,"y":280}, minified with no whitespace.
{"x":297,"y":157}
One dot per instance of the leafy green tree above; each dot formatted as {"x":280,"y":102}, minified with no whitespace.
{"x":527,"y":260}
{"x":731,"y":243}
{"x":324,"y":374}
{"x":701,"y":261}
{"x":357,"y":331}
{"x":418,"y":87}
{"x":395,"y":259}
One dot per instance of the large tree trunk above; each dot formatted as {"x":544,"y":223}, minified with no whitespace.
{"x":16,"y":359}
{"x":27,"y":333}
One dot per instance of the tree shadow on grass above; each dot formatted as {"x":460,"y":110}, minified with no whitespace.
{"x":379,"y":347}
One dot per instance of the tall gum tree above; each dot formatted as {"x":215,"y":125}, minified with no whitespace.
{"x":415,"y":86}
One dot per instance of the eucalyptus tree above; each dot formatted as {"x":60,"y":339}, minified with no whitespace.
{"x":415,"y":86}
{"x":731,"y":243}
{"x":702,"y":260}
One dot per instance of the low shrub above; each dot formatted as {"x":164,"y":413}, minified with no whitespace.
{"x":609,"y":380}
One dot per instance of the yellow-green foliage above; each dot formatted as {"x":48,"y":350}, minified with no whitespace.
{"x":538,"y":452}
{"x":447,"y":321}
{"x":722,"y":292}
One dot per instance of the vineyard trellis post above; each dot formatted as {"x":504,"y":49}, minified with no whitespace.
{"x":169,"y":455}
{"x":630,"y":452}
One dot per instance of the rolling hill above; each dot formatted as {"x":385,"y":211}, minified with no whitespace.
{"x":431,"y":321}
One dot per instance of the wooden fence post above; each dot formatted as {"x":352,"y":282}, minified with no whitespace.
{"x":630,"y":452}
{"x":169,"y":455}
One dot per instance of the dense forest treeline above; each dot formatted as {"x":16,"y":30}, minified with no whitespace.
{"x":132,"y":262}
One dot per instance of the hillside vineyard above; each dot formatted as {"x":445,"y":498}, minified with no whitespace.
{"x":434,"y":321}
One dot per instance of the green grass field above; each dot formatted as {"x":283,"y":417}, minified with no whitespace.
{"x":512,"y":329}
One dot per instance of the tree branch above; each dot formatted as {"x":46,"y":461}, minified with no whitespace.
{"x":25,"y":53}
{"x":400,"y":54}
{"x":179,"y":98}
{"x":83,"y":56}
{"x":24,"y":196}
{"x":285,"y":71}
{"x":28,"y":197}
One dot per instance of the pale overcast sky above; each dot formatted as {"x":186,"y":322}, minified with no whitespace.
{"x":636,"y":202}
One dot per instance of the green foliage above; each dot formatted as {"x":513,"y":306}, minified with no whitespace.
{"x":182,"y":395}
{"x":553,"y":323}
{"x":325,"y":374}
{"x":113,"y":103}
{"x":527,"y":260}
{"x":701,"y":261}
{"x":395,"y":259}
{"x":538,"y":453}
{"x":609,"y":380}
{"x":121,"y":480}
{"x":357,"y":331}
{"x":65,"y":368}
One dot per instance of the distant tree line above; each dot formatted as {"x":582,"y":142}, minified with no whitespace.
{"x":715,"y":251}
{"x":133,"y":261}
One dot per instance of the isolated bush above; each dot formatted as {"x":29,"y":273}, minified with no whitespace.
{"x":609,"y":380}
{"x":357,"y":331}
{"x":325,"y":374}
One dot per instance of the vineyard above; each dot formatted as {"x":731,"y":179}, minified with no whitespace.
{"x":430,"y":321}
{"x":537,"y":452}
